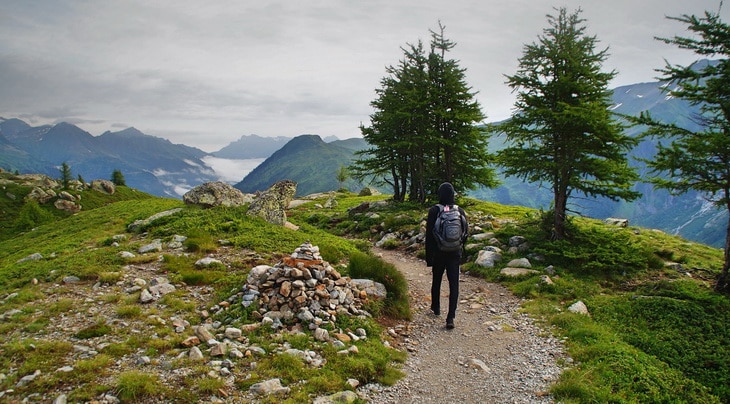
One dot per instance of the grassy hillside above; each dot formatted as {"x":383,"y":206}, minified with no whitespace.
{"x":656,"y":331}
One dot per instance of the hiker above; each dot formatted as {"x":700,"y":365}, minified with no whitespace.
{"x":440,"y":260}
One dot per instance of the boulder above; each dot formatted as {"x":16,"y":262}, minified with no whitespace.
{"x":271,"y":204}
{"x":68,"y":206}
{"x":519,"y":263}
{"x":104,"y":186}
{"x":212,"y":194}
{"x":139,"y":224}
{"x":369,"y":191}
{"x":613,"y":221}
{"x":514,"y":272}
{"x":41,"y":195}
{"x":487,"y":259}
{"x":269,"y":387}
{"x":579,"y":307}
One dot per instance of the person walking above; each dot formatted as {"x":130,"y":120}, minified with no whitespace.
{"x":447,"y":261}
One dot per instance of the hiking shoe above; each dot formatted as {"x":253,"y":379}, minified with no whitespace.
{"x":450,"y":324}
{"x":436,"y":312}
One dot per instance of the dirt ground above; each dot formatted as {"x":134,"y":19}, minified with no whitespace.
{"x":495,"y":354}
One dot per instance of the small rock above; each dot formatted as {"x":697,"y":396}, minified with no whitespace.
{"x":196,"y":354}
{"x":269,"y":387}
{"x":479,"y":364}
{"x":146,"y":296}
{"x":579,"y":307}
{"x":233,"y":333}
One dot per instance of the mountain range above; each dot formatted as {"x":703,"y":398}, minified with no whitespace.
{"x":159,"y":167}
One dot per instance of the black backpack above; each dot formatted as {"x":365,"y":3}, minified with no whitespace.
{"x":450,"y":228}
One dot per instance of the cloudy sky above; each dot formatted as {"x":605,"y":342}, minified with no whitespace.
{"x":204,"y":73}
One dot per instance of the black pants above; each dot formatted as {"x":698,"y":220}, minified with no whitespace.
{"x":448,"y":262}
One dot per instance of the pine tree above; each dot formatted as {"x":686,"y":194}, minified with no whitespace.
{"x":425,"y":127}
{"x":396,"y":134}
{"x":460,"y":144}
{"x":342,"y":175}
{"x":698,"y":160}
{"x":66,"y":176}
{"x":118,"y":178}
{"x":563,"y":133}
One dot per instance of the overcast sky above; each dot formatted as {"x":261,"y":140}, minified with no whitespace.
{"x":204,"y":73}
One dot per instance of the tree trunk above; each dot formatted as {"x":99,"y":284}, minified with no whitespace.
{"x":723,"y":282}
{"x":561,"y":205}
{"x":396,"y":186}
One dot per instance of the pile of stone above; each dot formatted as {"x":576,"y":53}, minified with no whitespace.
{"x":303,"y":288}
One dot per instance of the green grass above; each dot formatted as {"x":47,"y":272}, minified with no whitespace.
{"x":98,"y":329}
{"x":135,"y":386}
{"x":397,"y":304}
{"x":69,"y":249}
{"x":655,"y":334}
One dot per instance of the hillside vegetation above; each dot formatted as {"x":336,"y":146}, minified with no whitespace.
{"x":71,"y":325}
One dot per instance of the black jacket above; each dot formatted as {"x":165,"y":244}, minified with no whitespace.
{"x":446,"y":197}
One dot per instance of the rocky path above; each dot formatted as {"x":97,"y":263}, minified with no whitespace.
{"x":496,"y":354}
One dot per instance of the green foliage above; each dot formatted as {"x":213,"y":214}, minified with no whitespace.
{"x":129,"y":311}
{"x":66,"y":176}
{"x":200,"y":242}
{"x":118,"y":178}
{"x":371,"y":365}
{"x":98,"y":329}
{"x":425,"y":127}
{"x":367,"y":266}
{"x":697,"y":159}
{"x":563,"y":133}
{"x":593,"y":249}
{"x":678,"y":323}
{"x":342,"y":175}
{"x":619,"y":273}
{"x":14,"y":208}
{"x":611,"y":370}
{"x":30,"y":216}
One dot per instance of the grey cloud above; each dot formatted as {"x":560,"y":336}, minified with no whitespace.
{"x":206,"y":73}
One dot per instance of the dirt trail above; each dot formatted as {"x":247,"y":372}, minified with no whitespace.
{"x":496,"y":354}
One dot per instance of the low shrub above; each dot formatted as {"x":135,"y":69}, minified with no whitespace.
{"x":98,"y":329}
{"x":397,"y":304}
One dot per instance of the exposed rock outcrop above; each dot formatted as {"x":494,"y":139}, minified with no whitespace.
{"x":104,"y":186}
{"x":211,"y":194}
{"x":271,"y":204}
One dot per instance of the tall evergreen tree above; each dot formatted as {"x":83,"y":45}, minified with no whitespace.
{"x":66,"y":176}
{"x":424,"y":129}
{"x":698,"y":160}
{"x":460,"y":145}
{"x":392,"y":135}
{"x":563,"y":133}
{"x":118,"y":178}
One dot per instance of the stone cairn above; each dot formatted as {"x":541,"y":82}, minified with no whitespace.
{"x":305,"y":289}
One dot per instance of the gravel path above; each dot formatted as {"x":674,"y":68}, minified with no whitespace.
{"x":496,"y":354}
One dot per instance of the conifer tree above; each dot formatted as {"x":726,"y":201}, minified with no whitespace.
{"x":342,"y":175}
{"x":424,"y":129}
{"x":698,"y":160}
{"x":459,"y":143}
{"x":118,"y":178}
{"x":562,"y":132}
{"x":66,"y":176}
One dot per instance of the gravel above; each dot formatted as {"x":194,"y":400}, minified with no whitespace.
{"x":496,"y":353}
